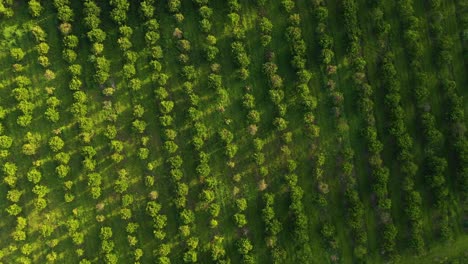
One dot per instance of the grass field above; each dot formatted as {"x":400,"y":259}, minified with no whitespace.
{"x":157,"y":157}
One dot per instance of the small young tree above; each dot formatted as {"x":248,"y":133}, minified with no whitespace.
{"x":106,"y":233}
{"x":17,"y":54}
{"x":43,"y":48}
{"x":35,"y":8}
{"x":34,"y":176}
{"x":56,"y":144}
{"x":14,"y":195}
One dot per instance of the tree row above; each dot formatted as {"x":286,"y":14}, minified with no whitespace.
{"x":379,"y":171}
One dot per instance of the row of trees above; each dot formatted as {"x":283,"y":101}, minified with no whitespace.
{"x":55,"y":143}
{"x":120,"y":186}
{"x":237,"y":30}
{"x":9,"y":171}
{"x":336,"y":97}
{"x":42,"y":49}
{"x":102,"y":67}
{"x":462,"y":21}
{"x":53,"y":104}
{"x":200,"y":132}
{"x":24,"y":93}
{"x":308,"y":102}
{"x":215,"y":82}
{"x":96,"y":36}
{"x":242,"y":61}
{"x":327,"y":229}
{"x":404,"y":144}
{"x":174,"y":161}
{"x":9,"y":178}
{"x":70,"y":43}
{"x":14,"y":195}
{"x":458,"y":140}
{"x":298,"y":49}
{"x":434,"y":163}
{"x":454,"y":102}
{"x":380,"y":172}
{"x":107,"y":245}
{"x":276,"y":91}
{"x":119,"y":16}
{"x":159,"y":219}
{"x":23,"y":96}
{"x":79,"y":110}
{"x":75,"y":232}
{"x":20,"y":234}
{"x":272,"y":225}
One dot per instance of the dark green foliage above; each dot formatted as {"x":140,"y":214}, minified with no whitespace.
{"x":334,"y":126}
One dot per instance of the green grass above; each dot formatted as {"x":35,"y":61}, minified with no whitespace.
{"x":442,"y":253}
{"x":14,"y":33}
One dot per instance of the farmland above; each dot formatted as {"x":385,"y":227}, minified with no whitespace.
{"x":236,"y":131}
